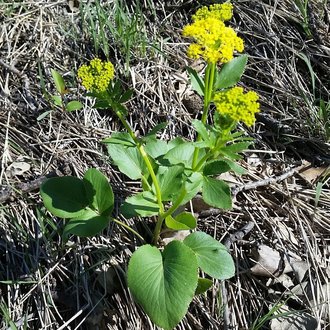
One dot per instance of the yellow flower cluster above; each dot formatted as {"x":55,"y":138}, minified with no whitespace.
{"x":215,"y":42}
{"x":237,"y":105}
{"x":96,"y":76}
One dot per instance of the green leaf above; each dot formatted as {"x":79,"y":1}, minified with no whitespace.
{"x":181,"y":154}
{"x":126,"y":96}
{"x":216,"y":193}
{"x":59,"y":82}
{"x":231,"y":72}
{"x":235,"y":167}
{"x":183,"y":221}
{"x":98,"y":191}
{"x":215,"y":167}
{"x":193,"y":185}
{"x":120,"y":138}
{"x":237,"y":147}
{"x":156,"y":148}
{"x":44,"y":114}
{"x":128,"y":160}
{"x":163,"y":284}
{"x":89,"y":223}
{"x":212,"y":256}
{"x":64,"y":197}
{"x":57,"y":99}
{"x":203,"y":285}
{"x":197,"y":82}
{"x":143,"y":204}
{"x":170,"y":181}
{"x":73,"y":105}
{"x":201,"y":130}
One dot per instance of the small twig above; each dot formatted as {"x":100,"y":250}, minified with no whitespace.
{"x":26,"y":81}
{"x":253,"y":185}
{"x":238,"y":235}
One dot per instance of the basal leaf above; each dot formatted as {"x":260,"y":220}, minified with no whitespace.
{"x":120,"y":138}
{"x":143,"y":204}
{"x":231,"y":72}
{"x":73,"y":105}
{"x":181,"y":154}
{"x":216,"y":193}
{"x":99,"y":192}
{"x":212,"y":256}
{"x":59,"y":82}
{"x":64,"y":197}
{"x":89,"y":223}
{"x":163,"y":284}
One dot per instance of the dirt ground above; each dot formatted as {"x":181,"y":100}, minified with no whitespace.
{"x":279,"y":228}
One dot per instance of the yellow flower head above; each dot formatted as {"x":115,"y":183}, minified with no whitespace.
{"x":215,"y":42}
{"x":237,"y":105}
{"x":223,"y":12}
{"x":96,"y":76}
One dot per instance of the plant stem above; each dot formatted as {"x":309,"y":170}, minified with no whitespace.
{"x":146,"y":160}
{"x":208,"y":83}
{"x":118,"y":222}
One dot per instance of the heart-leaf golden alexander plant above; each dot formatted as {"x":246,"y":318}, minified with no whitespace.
{"x":164,"y":280}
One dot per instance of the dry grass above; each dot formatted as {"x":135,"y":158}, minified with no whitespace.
{"x":46,"y":285}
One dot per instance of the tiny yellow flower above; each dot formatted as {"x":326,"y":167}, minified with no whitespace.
{"x":237,"y":105}
{"x":96,"y":76}
{"x":214,"y":41}
{"x":223,"y":12}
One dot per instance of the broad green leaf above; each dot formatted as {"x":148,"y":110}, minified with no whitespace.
{"x":73,"y":105}
{"x":126,"y":96}
{"x":57,"y":99}
{"x":170,"y":181}
{"x":128,"y":160}
{"x":235,"y":167}
{"x":143,"y":204}
{"x":59,"y":82}
{"x":212,"y":256}
{"x":197,"y":82}
{"x":99,"y":192}
{"x":120,"y":138}
{"x":237,"y":147}
{"x":183,"y":221}
{"x":156,"y":148}
{"x":231,"y":72}
{"x":216,"y":193}
{"x":65,"y":196}
{"x":87,"y":224}
{"x":181,"y":154}
{"x":163,"y":284}
{"x":215,"y":167}
{"x":203,"y":285}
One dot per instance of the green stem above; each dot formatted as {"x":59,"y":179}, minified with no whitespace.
{"x":146,"y":160}
{"x":118,"y":222}
{"x":208,"y":89}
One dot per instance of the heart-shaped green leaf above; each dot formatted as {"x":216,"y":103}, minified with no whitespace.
{"x":98,"y":191}
{"x":163,"y":284}
{"x":212,"y":256}
{"x":183,"y":221}
{"x":64,"y":197}
{"x":216,"y":193}
{"x":87,"y":224}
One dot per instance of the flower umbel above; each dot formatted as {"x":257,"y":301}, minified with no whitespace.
{"x":215,"y":42}
{"x":237,"y":105}
{"x":96,"y":76}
